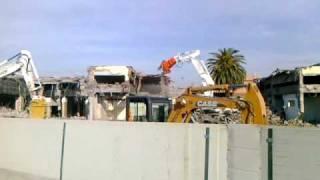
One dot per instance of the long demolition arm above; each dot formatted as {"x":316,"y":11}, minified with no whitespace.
{"x":22,"y":62}
{"x":187,"y":57}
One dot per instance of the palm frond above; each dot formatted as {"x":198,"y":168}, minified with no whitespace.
{"x":226,"y":66}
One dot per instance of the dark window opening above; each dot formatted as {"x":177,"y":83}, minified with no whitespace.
{"x":151,"y":80}
{"x":8,"y":101}
{"x":291,"y":103}
{"x":55,"y":111}
{"x":76,"y":106}
{"x":109,"y":79}
{"x":283,"y":84}
{"x":69,"y":89}
{"x":71,"y":86}
{"x":311,"y":79}
{"x":49,"y":90}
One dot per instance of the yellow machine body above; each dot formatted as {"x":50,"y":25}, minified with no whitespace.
{"x":38,"y":109}
{"x":251,"y":104}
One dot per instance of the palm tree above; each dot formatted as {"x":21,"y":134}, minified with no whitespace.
{"x":226,"y":66}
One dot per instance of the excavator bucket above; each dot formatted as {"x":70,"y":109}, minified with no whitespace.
{"x":167,"y":65}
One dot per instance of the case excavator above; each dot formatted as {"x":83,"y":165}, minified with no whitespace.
{"x":226,"y":107}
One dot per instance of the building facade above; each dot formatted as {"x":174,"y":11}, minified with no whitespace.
{"x":294,"y":94}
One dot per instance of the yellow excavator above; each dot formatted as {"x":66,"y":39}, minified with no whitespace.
{"x":226,"y":107}
{"x":230,"y":104}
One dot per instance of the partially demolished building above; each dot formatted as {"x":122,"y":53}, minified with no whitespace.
{"x":108,"y":87}
{"x":65,"y":96}
{"x":294,"y":94}
{"x":99,"y":96}
{"x":13,"y":93}
{"x":153,"y":85}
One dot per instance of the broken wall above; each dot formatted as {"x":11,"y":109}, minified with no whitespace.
{"x":293,"y":92}
{"x":107,"y":87}
{"x":154,"y":85}
{"x":109,"y":79}
{"x":276,"y":87}
{"x":108,"y":108}
{"x":69,"y":89}
{"x":12,"y":92}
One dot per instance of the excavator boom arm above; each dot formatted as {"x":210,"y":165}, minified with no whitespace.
{"x":188,"y":57}
{"x":22,"y":62}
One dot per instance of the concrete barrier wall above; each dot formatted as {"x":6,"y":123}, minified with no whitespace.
{"x":157,"y":151}
{"x":110,"y":150}
{"x":30,"y":149}
{"x":244,"y":152}
{"x":296,"y":153}
{"x":34,"y":150}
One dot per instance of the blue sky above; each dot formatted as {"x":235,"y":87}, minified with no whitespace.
{"x":65,"y":37}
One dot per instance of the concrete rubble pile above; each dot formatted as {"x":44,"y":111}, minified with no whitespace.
{"x":276,"y":120}
{"x":11,"y":113}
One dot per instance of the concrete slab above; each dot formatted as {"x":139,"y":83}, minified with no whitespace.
{"x":157,"y":151}
{"x":244,"y":152}
{"x":31,"y":147}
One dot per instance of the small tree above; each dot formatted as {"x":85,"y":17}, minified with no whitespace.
{"x":226,"y":66}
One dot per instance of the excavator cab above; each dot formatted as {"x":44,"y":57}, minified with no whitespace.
{"x":148,"y":108}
